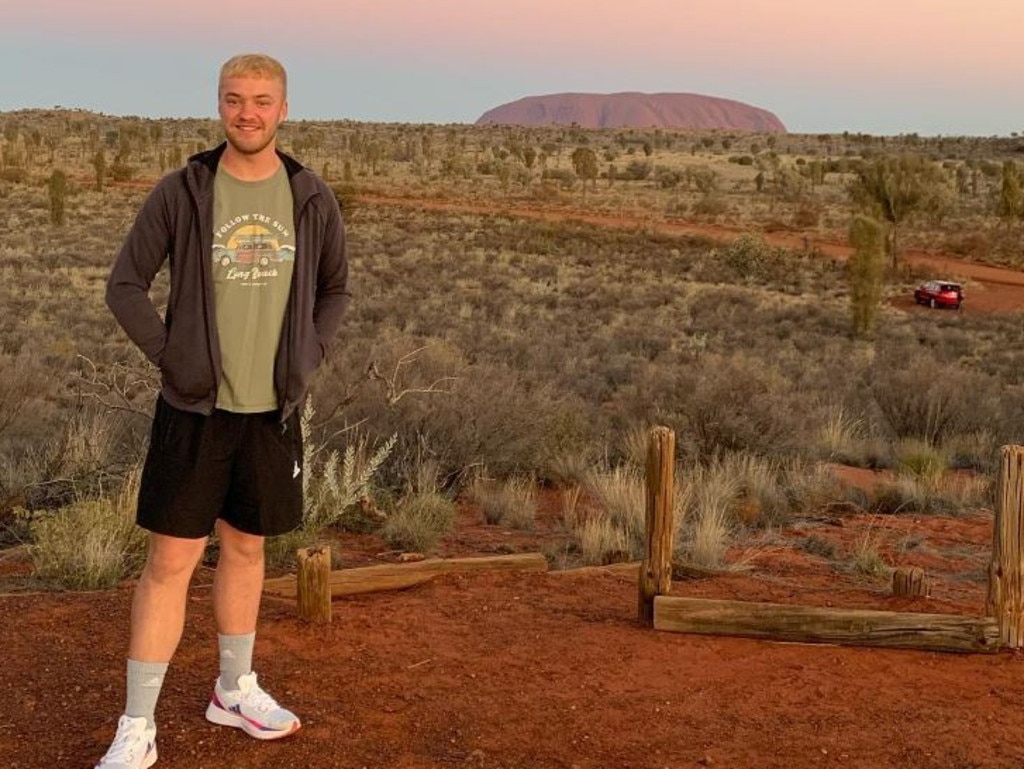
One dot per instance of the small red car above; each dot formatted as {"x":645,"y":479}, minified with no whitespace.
{"x":940,"y":293}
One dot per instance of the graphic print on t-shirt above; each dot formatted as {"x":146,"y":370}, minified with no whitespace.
{"x":251,"y":253}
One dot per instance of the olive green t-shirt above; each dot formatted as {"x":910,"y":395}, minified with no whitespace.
{"x":253,"y":258}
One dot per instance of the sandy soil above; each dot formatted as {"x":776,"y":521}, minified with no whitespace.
{"x":547,"y":669}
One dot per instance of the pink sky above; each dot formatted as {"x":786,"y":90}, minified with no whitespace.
{"x":803,"y":59}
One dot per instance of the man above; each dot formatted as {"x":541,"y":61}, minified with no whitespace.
{"x":258,"y":274}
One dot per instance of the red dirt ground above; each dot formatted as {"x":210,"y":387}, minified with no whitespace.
{"x":542,"y":670}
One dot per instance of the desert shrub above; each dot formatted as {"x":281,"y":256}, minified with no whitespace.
{"x":822,"y":548}
{"x":747,"y":256}
{"x":635,"y":445}
{"x":811,"y":486}
{"x":711,"y":535}
{"x":977,"y":450}
{"x":614,"y":529}
{"x":761,"y":496}
{"x":907,"y":494}
{"x":512,"y":502}
{"x":711,"y":204}
{"x":570,"y":497}
{"x":866,"y":559}
{"x":83,"y":454}
{"x":667,"y":178}
{"x":335,"y":483}
{"x":920,"y":460}
{"x":620,"y":494}
{"x":602,"y":542}
{"x":710,"y":522}
{"x":807,"y":214}
{"x":568,"y":469}
{"x":18,"y":383}
{"x":736,"y":404}
{"x":418,"y":521}
{"x":839,"y":435}
{"x":636,"y":171}
{"x":89,"y":545}
{"x":817,"y":546}
{"x":867,"y":269}
{"x":922,"y":396}
{"x":564,"y":176}
{"x":121,"y":170}
{"x":972,"y":244}
{"x":14,"y":175}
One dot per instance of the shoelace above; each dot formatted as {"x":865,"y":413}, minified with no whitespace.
{"x":122,"y":750}
{"x":259,"y":700}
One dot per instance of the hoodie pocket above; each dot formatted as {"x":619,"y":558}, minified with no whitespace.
{"x":186,"y":370}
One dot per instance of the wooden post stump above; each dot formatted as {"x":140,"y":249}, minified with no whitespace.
{"x":314,"y":584}
{"x":910,"y":582}
{"x":656,"y":568}
{"x":1006,"y":571}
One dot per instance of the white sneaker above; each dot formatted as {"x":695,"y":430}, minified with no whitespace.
{"x":251,"y":709}
{"x":134,"y":746}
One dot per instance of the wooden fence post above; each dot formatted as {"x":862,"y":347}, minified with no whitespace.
{"x":1006,"y":572}
{"x":656,"y":568}
{"x":910,"y":582}
{"x":314,"y":584}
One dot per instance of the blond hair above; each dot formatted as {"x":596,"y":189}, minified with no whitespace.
{"x":254,"y":65}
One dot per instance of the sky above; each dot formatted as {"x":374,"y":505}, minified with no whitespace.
{"x":932,"y":67}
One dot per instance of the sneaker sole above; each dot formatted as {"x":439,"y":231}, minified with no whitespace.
{"x":147,"y":762}
{"x":221,"y":717}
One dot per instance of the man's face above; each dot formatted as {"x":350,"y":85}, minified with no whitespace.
{"x":251,"y":109}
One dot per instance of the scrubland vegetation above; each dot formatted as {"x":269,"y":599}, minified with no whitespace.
{"x":488,"y":355}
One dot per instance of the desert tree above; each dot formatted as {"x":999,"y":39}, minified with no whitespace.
{"x":867,"y":272}
{"x":584,"y":162}
{"x":1010,"y":204}
{"x":99,"y":165}
{"x":895,"y":188}
{"x":58,"y":185}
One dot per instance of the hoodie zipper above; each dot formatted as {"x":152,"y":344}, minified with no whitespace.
{"x":204,"y":268}
{"x":290,"y":335}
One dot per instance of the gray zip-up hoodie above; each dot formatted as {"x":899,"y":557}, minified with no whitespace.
{"x":176,"y":224}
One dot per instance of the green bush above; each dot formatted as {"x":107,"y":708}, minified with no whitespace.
{"x":418,"y":521}
{"x":89,"y":545}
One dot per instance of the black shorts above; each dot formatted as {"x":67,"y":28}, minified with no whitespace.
{"x":244,"y":468}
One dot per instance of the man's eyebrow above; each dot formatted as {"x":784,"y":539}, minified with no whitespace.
{"x":236,"y":94}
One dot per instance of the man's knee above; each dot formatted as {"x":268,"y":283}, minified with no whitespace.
{"x":171,"y":558}
{"x":239,"y":547}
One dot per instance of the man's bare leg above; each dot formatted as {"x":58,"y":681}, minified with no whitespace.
{"x":238,"y":582}
{"x":158,"y":605}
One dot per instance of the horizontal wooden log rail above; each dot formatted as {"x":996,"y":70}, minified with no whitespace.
{"x":398,"y":576}
{"x":806,"y":624}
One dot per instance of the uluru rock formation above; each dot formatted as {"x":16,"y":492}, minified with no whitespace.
{"x":634,"y":110}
